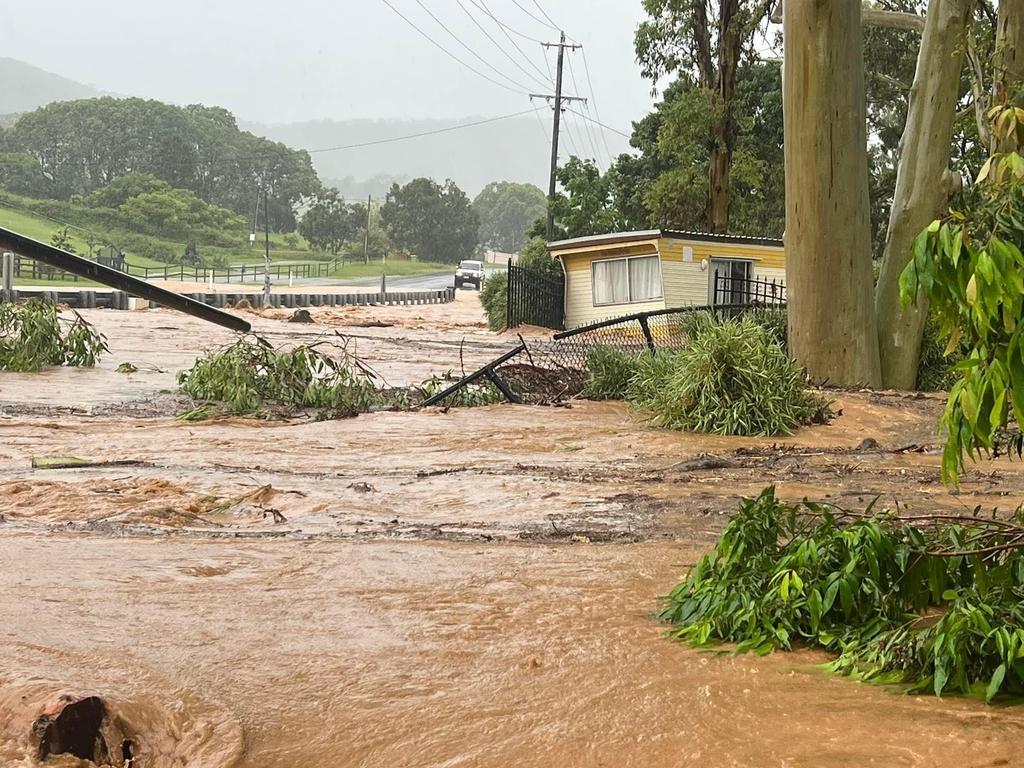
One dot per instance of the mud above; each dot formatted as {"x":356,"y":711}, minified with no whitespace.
{"x":473,"y":587}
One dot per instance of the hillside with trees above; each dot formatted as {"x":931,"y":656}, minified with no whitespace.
{"x":71,"y":149}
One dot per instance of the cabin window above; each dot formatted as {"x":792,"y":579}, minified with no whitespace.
{"x":626,"y":280}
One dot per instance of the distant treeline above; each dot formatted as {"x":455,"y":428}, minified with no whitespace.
{"x":73,"y":148}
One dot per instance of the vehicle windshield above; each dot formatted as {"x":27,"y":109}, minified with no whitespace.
{"x":471,"y":265}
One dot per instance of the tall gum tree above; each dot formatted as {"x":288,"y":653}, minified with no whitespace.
{"x":921,"y":194}
{"x":832,"y":329}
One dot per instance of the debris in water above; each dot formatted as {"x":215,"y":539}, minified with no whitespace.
{"x":71,"y":726}
{"x":73,"y":462}
{"x":300,"y":316}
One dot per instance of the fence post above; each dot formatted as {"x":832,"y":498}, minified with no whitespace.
{"x":8,"y":276}
{"x":508,"y":295}
{"x":647,"y":333}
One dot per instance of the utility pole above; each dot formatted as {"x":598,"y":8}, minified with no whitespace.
{"x":366,"y":238}
{"x":558,"y":99}
{"x":266,"y":244}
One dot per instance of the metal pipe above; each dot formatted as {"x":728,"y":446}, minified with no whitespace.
{"x":76,"y":265}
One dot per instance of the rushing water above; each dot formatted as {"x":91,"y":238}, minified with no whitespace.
{"x":429,"y":654}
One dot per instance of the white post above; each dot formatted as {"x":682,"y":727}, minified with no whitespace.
{"x":8,"y":276}
{"x":209,"y":279}
{"x":289,"y":278}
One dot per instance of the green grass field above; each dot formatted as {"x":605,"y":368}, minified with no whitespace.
{"x":40,"y":228}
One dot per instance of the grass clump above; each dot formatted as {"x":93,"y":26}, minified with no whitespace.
{"x":33,"y":335}
{"x":732,"y":378}
{"x":251,"y":378}
{"x":936,"y":602}
{"x":609,"y":372}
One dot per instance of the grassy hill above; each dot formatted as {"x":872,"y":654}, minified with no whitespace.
{"x":16,"y":214}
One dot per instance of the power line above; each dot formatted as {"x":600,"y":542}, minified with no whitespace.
{"x":496,"y":45}
{"x":593,"y":96}
{"x":464,"y":45}
{"x":425,"y":133}
{"x":534,"y":17}
{"x":500,"y":23}
{"x":595,"y":122}
{"x":516,"y":46}
{"x":541,"y":9}
{"x":446,"y":51}
{"x":586,"y":126}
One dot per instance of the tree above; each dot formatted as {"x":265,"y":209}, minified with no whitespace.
{"x":506,"y":211}
{"x":832,"y":329}
{"x":21,"y":174}
{"x":704,"y":41}
{"x":81,"y":146}
{"x":923,"y":183}
{"x":329,"y":223}
{"x":585,"y":205}
{"x":435,"y":222}
{"x":61,"y":239}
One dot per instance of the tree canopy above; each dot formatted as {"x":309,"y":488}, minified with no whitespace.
{"x":506,"y":211}
{"x":81,"y":146}
{"x":433,"y":221}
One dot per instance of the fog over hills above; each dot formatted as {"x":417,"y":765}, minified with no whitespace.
{"x":24,"y":87}
{"x":516,"y":149}
{"x":513,"y":149}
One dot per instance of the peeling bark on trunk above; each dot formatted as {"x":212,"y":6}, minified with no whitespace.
{"x":920,"y":195}
{"x":1009,"y":58}
{"x":828,"y":242}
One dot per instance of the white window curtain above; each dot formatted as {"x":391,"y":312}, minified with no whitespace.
{"x":644,"y":278}
{"x":611,"y":282}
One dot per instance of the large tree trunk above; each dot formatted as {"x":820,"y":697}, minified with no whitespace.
{"x":828,"y":239}
{"x":730,"y":40}
{"x":920,"y":194}
{"x":1009,"y":58}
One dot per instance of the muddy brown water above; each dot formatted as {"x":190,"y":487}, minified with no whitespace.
{"x":470,"y":588}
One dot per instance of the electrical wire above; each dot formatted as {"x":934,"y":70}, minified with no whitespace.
{"x":500,"y":23}
{"x":593,"y":96}
{"x":534,"y":17}
{"x":545,"y":13}
{"x":515,"y":44}
{"x":595,"y":122}
{"x":459,"y":40}
{"x":424,"y":133}
{"x":498,"y":46}
{"x":433,"y":42}
{"x":586,"y":126}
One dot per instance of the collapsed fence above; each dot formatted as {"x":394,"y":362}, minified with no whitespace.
{"x":550,"y":370}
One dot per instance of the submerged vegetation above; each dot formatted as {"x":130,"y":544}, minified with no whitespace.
{"x":33,"y":335}
{"x":732,"y":378}
{"x":250,"y":378}
{"x":933,"y":601}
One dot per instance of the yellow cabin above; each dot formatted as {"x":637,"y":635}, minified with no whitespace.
{"x":626,"y":272}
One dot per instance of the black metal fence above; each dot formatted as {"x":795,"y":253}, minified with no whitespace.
{"x":549,"y":370}
{"x":534,"y":299}
{"x":730,"y":290}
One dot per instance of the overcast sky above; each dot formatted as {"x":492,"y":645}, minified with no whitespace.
{"x":308,"y":59}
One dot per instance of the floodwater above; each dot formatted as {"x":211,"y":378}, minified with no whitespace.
{"x":466,"y":588}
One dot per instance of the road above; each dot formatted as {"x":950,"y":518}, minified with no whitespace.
{"x":434,"y":281}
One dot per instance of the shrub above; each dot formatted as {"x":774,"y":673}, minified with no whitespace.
{"x":33,"y":335}
{"x":732,"y":378}
{"x":609,"y":372}
{"x":896,"y":601}
{"x":249,"y":377}
{"x":494,"y":298}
